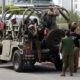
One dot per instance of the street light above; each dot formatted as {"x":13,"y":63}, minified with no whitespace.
{"x":72,"y":5}
{"x":3,"y":12}
{"x":3,"y":8}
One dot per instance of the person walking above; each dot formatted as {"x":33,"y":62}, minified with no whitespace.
{"x":67,"y":46}
{"x":76,"y":38}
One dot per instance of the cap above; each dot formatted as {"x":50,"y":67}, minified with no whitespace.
{"x":13,"y":17}
{"x":73,"y":23}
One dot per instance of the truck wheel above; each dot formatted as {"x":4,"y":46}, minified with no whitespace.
{"x":53,"y":39}
{"x":17,"y":61}
{"x":58,"y":63}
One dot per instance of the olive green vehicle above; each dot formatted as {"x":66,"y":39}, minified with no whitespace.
{"x":17,"y":48}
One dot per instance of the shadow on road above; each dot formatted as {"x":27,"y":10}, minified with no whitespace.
{"x":36,"y":69}
{"x":41,"y":69}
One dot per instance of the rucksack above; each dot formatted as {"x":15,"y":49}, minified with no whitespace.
{"x":47,"y":20}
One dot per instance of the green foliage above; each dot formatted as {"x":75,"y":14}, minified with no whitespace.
{"x":61,"y":20}
{"x":9,"y":7}
{"x":0,"y":9}
{"x":74,"y":17}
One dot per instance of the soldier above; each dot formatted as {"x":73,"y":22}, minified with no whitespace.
{"x":37,"y":42}
{"x":13,"y":19}
{"x":73,"y":26}
{"x":76,"y":38}
{"x":67,"y":46}
{"x":33,"y":35}
{"x":49,"y":17}
{"x":12,"y":23}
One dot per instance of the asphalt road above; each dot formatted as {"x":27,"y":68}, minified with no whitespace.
{"x":39,"y":72}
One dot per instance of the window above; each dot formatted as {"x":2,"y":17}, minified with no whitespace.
{"x":75,"y":0}
{"x":75,"y":6}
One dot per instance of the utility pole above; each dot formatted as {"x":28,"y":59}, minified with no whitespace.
{"x":72,"y":5}
{"x":3,"y":8}
{"x":3,"y":12}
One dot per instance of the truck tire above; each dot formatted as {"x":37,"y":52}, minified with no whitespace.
{"x":17,"y":61}
{"x":0,"y":62}
{"x":53,"y":39}
{"x":58,"y":62}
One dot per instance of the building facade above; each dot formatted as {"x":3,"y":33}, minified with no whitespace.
{"x":76,"y":5}
{"x":58,"y":2}
{"x":64,"y":3}
{"x":32,"y":2}
{"x":69,"y":4}
{"x":25,"y":2}
{"x":7,"y":2}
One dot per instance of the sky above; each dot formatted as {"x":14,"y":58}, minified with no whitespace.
{"x":55,"y":1}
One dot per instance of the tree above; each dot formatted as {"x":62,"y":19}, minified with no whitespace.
{"x":74,"y":17}
{"x":8,"y":7}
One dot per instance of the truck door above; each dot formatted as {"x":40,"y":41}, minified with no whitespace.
{"x":6,"y":48}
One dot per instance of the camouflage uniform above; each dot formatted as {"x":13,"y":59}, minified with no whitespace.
{"x":50,"y":20}
{"x":36,"y":39}
{"x":75,"y":58}
{"x":53,"y":19}
{"x":67,"y":58}
{"x":38,"y":46}
{"x":76,"y":37}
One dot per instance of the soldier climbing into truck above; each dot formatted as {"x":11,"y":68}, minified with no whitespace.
{"x":49,"y":17}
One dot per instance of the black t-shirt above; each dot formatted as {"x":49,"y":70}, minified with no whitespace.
{"x":76,"y":37}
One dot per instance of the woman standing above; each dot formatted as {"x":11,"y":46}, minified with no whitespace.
{"x":67,"y":46}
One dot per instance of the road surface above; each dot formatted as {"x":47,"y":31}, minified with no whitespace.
{"x":39,"y":72}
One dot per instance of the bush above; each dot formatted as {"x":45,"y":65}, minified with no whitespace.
{"x":8,"y":7}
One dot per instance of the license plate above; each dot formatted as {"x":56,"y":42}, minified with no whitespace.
{"x":28,"y":56}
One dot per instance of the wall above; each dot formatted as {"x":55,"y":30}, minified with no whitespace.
{"x":76,"y":5}
{"x":64,"y":3}
{"x":6,"y":2}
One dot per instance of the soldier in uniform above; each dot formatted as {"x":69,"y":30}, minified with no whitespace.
{"x":53,"y":12}
{"x":67,"y":46}
{"x":49,"y":17}
{"x":76,"y":38}
{"x":36,"y":38}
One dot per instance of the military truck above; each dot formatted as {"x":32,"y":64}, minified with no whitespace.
{"x":17,"y":48}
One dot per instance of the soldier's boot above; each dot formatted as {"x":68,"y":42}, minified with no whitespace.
{"x":63,"y":72}
{"x":71,"y":72}
{"x":39,"y":55}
